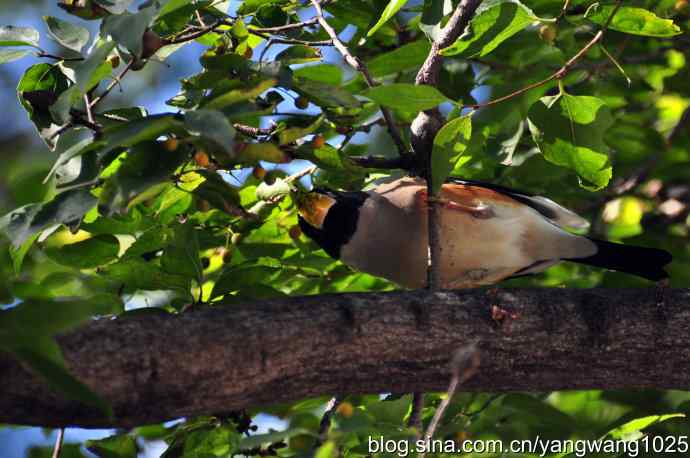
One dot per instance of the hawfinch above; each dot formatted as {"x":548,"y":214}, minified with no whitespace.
{"x":488,"y":233}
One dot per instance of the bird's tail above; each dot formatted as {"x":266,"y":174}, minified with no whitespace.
{"x":641,"y":261}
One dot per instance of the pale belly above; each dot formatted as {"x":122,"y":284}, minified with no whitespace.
{"x":475,"y":251}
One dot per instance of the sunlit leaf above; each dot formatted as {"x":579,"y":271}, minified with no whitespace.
{"x":10,"y":55}
{"x":391,"y":10}
{"x":69,"y":35}
{"x":18,"y":36}
{"x":92,"y":252}
{"x":450,"y":144}
{"x":570,"y":134}
{"x":635,"y":21}
{"x":492,"y":24}
{"x":407,"y":98}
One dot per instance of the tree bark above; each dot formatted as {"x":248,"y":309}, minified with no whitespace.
{"x":158,"y":367}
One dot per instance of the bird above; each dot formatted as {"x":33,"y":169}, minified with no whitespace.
{"x":488,"y":233}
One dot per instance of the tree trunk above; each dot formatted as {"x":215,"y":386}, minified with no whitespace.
{"x":158,"y":367}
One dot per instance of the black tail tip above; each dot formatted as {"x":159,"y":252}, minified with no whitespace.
{"x":636,"y":260}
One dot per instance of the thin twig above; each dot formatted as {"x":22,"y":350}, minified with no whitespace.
{"x":564,"y":9}
{"x":112,"y":84}
{"x":255,"y":131}
{"x":53,"y":56}
{"x":58,"y":443}
{"x":292,"y":41}
{"x":286,"y":27}
{"x":301,"y":173}
{"x":465,"y":363}
{"x":560,"y":73}
{"x":428,"y":73}
{"x":484,"y":406}
{"x":87,"y":105}
{"x":183,"y":38}
{"x":358,"y":65}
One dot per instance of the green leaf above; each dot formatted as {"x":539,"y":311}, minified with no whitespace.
{"x":252,"y":153}
{"x":391,"y":10}
{"x":390,"y":411}
{"x":239,"y":95}
{"x":493,"y":23}
{"x":325,"y":95}
{"x":406,"y":57}
{"x":327,"y":450}
{"x":90,"y":72}
{"x":432,"y":14}
{"x":69,"y":145}
{"x":127,"y":29}
{"x":66,"y":208}
{"x":450,"y":144}
{"x":146,"y":165}
{"x":10,"y":55}
{"x":324,"y":73}
{"x":89,"y":253}
{"x":211,"y":125}
{"x":569,"y":132}
{"x":70,"y":36}
{"x":243,"y":278}
{"x":135,"y":273}
{"x":299,"y":54}
{"x":18,"y":36}
{"x":121,"y":446}
{"x":18,"y":254}
{"x":291,"y":134}
{"x":251,"y":6}
{"x":635,"y":21}
{"x":258,"y":440}
{"x":182,"y":255}
{"x":138,"y":130}
{"x":37,"y":90}
{"x":217,"y":192}
{"x":114,"y":6}
{"x":408,"y":98}
{"x":632,"y":430}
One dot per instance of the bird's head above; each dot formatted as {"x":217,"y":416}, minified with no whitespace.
{"x":330,"y":217}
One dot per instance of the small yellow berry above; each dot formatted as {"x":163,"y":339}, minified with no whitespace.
{"x":547,"y":32}
{"x":201,"y":158}
{"x":318,"y":141}
{"x":259,"y":172}
{"x":171,"y":144}
{"x":302,"y":102}
{"x":345,"y":409}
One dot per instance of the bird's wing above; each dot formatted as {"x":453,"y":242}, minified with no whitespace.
{"x":558,"y":214}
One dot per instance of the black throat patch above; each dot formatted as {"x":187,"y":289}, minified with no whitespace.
{"x":340,"y":222}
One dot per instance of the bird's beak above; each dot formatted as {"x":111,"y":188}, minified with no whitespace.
{"x":313,"y":207}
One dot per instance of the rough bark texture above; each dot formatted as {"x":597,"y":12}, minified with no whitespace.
{"x":157,"y":367}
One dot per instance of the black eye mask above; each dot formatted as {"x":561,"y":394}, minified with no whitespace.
{"x":340,"y":222}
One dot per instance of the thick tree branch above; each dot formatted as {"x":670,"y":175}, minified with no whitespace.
{"x":157,"y":366}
